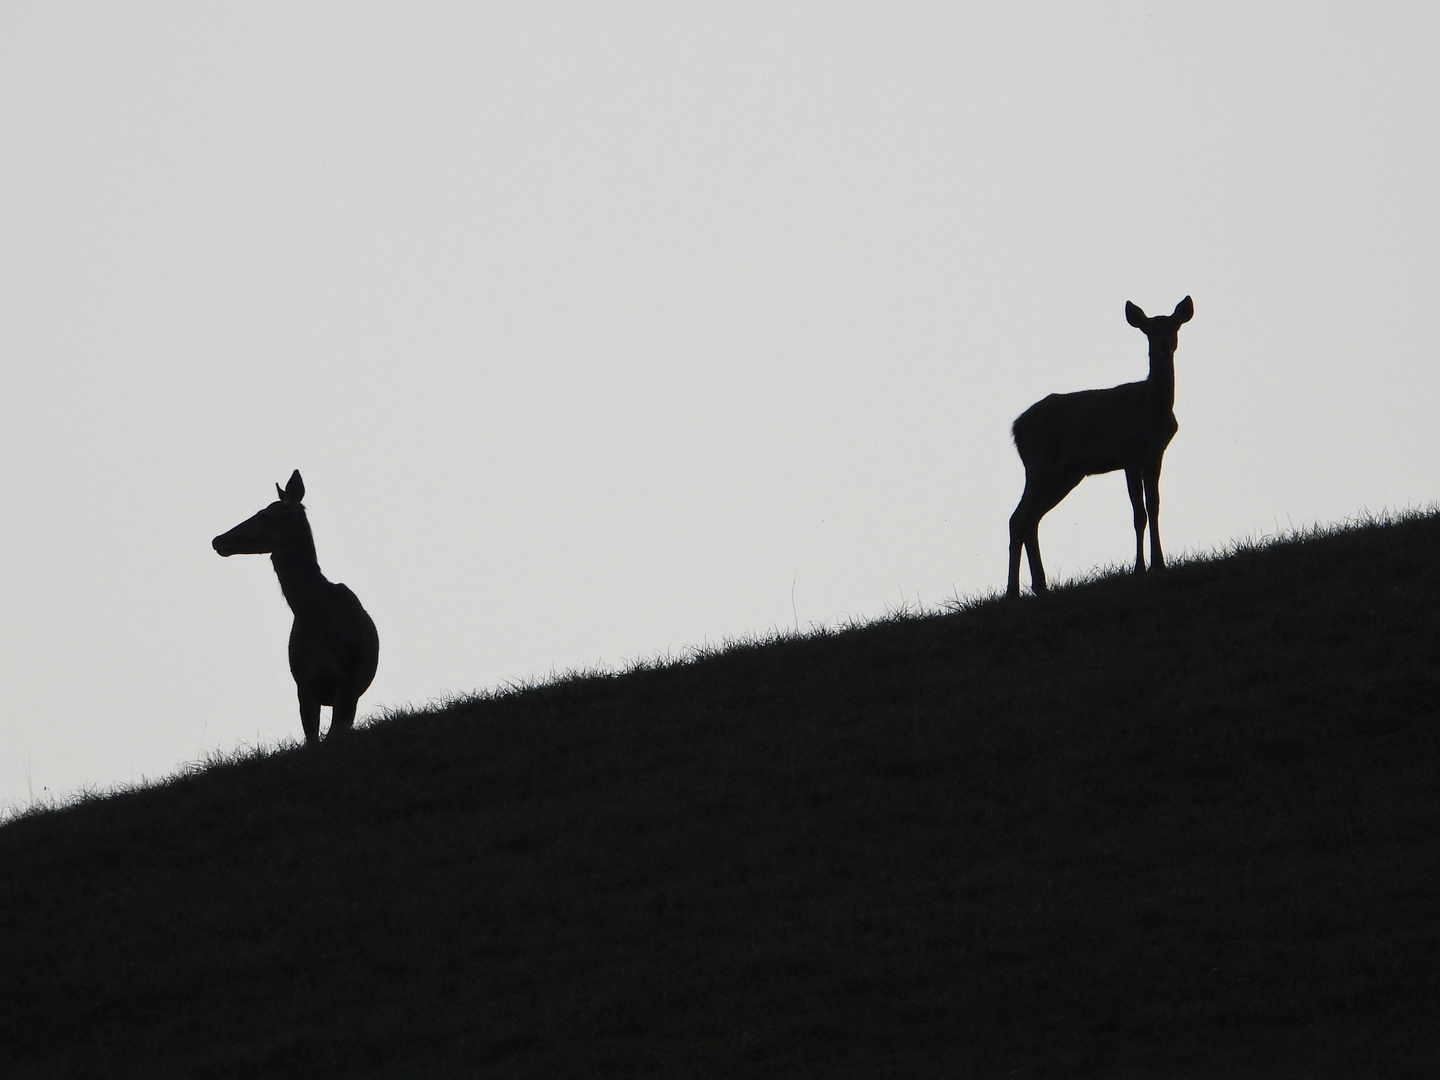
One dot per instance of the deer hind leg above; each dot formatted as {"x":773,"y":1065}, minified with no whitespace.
{"x":342,"y":715}
{"x":309,"y":716}
{"x":1135,"y":483}
{"x":1032,"y":553}
{"x":1040,"y":497}
{"x":1152,"y":502}
{"x":1019,"y":530}
{"x":1023,"y":523}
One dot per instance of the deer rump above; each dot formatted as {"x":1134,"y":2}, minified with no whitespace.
{"x":334,"y":648}
{"x":1093,"y":431}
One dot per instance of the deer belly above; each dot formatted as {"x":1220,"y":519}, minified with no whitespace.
{"x":1094,"y":466}
{"x":1122,"y":451}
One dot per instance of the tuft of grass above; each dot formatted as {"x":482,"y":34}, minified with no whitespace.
{"x":1179,"y":825}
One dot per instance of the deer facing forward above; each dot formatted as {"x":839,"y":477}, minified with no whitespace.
{"x":334,"y":648}
{"x":1066,"y":437}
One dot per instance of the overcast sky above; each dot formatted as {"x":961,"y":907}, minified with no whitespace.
{"x":599,"y":331}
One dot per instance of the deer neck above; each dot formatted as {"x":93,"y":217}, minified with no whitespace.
{"x":299,"y":574}
{"x":1162,"y":380}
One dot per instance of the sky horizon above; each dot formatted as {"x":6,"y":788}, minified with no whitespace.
{"x":600,"y":335}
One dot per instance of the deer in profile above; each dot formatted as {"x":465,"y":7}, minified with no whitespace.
{"x":334,"y":648}
{"x":1066,"y":437}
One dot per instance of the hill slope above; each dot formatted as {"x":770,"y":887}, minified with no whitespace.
{"x":1182,"y":826}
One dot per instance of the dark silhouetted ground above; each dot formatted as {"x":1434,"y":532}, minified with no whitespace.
{"x":1186,"y":826}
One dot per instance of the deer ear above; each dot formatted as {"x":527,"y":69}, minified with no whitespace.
{"x":1184,"y":311}
{"x":294,"y":490}
{"x":1134,"y":316}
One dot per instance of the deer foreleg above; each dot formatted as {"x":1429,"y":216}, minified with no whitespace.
{"x":1135,"y":484}
{"x":309,"y":716}
{"x":1152,"y":502}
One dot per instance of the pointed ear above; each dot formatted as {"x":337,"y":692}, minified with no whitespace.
{"x":1184,"y":311}
{"x":294,"y":490}
{"x":1134,"y":316}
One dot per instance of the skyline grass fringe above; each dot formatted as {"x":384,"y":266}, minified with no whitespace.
{"x":219,"y":757}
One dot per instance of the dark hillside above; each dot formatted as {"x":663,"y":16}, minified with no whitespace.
{"x":1184,"y":826}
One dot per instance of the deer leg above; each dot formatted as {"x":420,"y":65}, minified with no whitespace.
{"x":309,"y":716}
{"x":1134,"y":482}
{"x":1019,"y":530}
{"x":1032,"y":552}
{"x":1152,"y":501}
{"x":1023,"y":524}
{"x":342,"y":715}
{"x":1039,"y":499}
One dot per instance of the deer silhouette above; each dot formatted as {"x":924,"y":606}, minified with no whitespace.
{"x":334,"y":648}
{"x":1066,"y":437}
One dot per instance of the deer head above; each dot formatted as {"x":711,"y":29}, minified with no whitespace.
{"x":280,"y":525}
{"x":1162,"y":330}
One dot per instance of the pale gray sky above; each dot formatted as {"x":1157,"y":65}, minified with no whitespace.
{"x":597,"y":331}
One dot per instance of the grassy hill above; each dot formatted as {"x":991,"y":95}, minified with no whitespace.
{"x":1181,"y":826}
